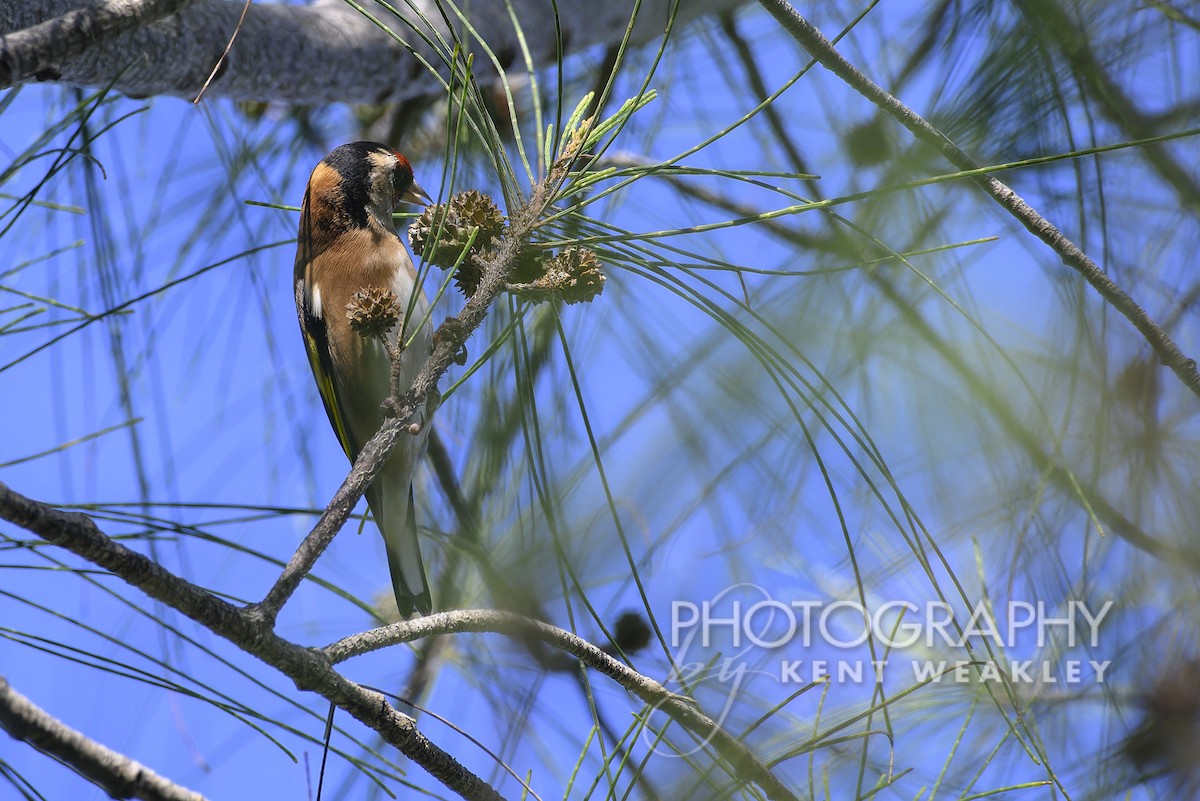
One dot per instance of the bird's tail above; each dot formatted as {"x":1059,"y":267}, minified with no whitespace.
{"x":396,"y":518}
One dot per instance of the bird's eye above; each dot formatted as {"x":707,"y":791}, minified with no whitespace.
{"x":402,"y":176}
{"x":400,"y":185}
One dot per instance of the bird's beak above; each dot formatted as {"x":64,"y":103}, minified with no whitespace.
{"x":416,"y":195}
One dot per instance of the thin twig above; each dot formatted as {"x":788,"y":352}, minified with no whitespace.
{"x":680,"y":708}
{"x":225,"y":54}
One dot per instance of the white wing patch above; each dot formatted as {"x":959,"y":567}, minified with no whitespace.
{"x":314,"y":302}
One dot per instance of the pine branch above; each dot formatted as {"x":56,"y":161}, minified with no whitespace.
{"x":115,"y":773}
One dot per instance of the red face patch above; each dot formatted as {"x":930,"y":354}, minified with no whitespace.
{"x":402,"y":176}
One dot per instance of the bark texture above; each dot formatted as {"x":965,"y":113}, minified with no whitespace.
{"x":327,"y":52}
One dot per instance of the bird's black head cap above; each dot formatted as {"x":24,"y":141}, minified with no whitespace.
{"x":358,"y":164}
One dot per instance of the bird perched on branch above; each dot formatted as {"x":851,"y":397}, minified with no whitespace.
{"x":357,"y":298}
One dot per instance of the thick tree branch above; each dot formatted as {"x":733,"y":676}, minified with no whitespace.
{"x":314,"y":669}
{"x":116,"y":774}
{"x":38,"y":49}
{"x":823,"y":51}
{"x":329,"y":52}
{"x":309,"y":669}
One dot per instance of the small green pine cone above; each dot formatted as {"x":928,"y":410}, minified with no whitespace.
{"x":467,"y":277}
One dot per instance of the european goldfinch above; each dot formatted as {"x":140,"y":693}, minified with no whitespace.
{"x":347,"y":243}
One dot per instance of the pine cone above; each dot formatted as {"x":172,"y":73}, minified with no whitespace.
{"x":573,"y":276}
{"x":465,"y":212}
{"x":585,"y":279}
{"x":373,"y":311}
{"x":477,"y":209}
